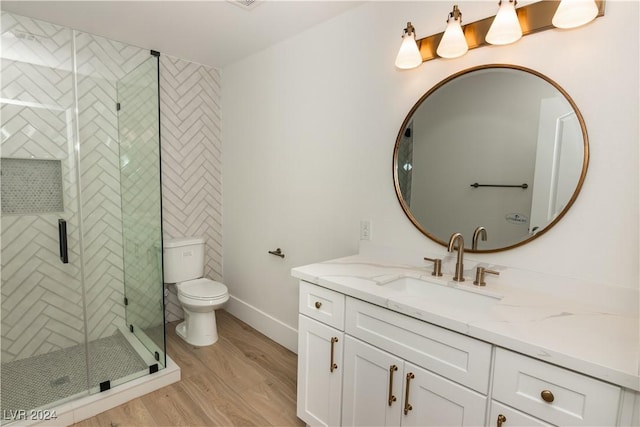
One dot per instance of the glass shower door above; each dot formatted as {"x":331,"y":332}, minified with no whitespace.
{"x":44,"y":355}
{"x":43,"y":330}
{"x":138,"y":128}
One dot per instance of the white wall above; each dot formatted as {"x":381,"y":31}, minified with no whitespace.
{"x":309,"y":127}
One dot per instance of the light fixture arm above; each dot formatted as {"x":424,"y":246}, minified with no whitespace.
{"x":455,"y":14}
{"x":534,"y":18}
{"x":410,"y":29}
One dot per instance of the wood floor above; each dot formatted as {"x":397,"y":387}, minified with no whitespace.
{"x":245,"y":379}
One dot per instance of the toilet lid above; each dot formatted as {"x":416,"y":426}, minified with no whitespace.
{"x":202,"y":289}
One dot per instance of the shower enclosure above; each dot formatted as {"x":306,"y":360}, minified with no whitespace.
{"x":81,"y":263}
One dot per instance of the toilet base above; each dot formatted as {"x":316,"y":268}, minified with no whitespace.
{"x":198,"y":328}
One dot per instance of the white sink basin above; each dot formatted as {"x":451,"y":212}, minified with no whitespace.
{"x":443,"y":294}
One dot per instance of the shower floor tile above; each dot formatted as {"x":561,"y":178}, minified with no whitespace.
{"x":37,"y":381}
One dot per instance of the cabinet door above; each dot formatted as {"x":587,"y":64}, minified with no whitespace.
{"x":319,"y":372}
{"x":431,"y":400}
{"x":372,"y":385}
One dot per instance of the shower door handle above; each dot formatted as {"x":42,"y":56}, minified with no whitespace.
{"x":62,"y":237}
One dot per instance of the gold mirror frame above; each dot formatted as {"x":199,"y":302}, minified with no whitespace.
{"x":409,"y":117}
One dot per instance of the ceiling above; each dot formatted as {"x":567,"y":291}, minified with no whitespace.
{"x":215,"y":32}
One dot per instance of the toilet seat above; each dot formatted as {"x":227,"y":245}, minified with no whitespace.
{"x":203,"y":289}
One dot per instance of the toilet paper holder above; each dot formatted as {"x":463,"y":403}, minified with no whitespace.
{"x":277,"y":252}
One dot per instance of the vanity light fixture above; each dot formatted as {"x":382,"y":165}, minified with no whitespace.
{"x":531,"y":18}
{"x":575,"y":13}
{"x":453,"y":43}
{"x":409,"y":56}
{"x":505,"y":28}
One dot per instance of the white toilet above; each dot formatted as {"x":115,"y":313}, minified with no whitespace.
{"x":200,"y":297}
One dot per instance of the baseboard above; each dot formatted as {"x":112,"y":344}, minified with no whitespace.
{"x":266,"y":324}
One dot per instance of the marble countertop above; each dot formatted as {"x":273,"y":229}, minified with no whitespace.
{"x":592,"y":333}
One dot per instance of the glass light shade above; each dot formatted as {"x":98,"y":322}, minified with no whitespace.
{"x":409,"y":54}
{"x":574,"y":13}
{"x":505,"y":28}
{"x":453,"y":44}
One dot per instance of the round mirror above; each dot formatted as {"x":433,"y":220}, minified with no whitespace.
{"x":496,"y":152}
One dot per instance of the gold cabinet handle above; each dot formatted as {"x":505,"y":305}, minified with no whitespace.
{"x":501,"y":419}
{"x":547,"y":396}
{"x":407,"y":405}
{"x":392,"y":369}
{"x":318,"y":304}
{"x":333,"y":366}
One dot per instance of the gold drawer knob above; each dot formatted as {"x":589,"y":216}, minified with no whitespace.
{"x":318,"y":304}
{"x":547,"y":396}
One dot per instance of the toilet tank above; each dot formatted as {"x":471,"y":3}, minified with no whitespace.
{"x":183,"y":259}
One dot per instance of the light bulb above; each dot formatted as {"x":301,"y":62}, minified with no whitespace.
{"x":453,"y":43}
{"x":574,"y":13}
{"x":409,"y":55}
{"x":505,"y":28}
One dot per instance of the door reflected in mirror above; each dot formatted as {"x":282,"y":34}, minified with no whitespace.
{"x":497,"y":146}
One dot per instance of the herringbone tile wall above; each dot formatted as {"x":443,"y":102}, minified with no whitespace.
{"x":191,"y":161}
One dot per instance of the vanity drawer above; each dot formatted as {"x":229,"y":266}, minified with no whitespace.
{"x":462,"y":359}
{"x":322,"y":304}
{"x":577,"y":400}
{"x":502,"y":415}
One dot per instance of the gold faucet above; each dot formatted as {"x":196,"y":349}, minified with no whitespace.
{"x":457,"y":237}
{"x":437,"y":266}
{"x":479,"y":232}
{"x":480,"y":272}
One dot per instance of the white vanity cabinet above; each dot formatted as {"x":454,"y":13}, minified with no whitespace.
{"x":320,"y":349}
{"x":361,"y":364}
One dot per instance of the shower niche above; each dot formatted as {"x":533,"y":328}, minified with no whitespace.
{"x":80,"y":143}
{"x":31,"y":186}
